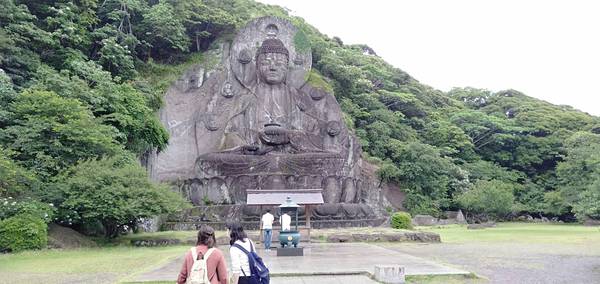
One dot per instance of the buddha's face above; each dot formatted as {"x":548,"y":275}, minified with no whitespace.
{"x":272,"y":67}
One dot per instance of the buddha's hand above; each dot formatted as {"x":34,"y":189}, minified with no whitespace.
{"x":250,"y":149}
{"x":274,"y":135}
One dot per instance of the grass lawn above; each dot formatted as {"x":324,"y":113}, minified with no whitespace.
{"x":99,"y":265}
{"x":519,"y":232}
{"x":445,"y":279}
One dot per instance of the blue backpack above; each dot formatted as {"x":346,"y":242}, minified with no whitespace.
{"x":258,"y":270}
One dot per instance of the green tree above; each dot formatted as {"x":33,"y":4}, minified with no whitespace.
{"x":115,"y":191}
{"x":203,"y":21}
{"x":493,"y":198}
{"x":163,"y":30}
{"x":49,"y":133}
{"x":449,"y":138}
{"x":115,"y":104}
{"x":588,"y":205}
{"x":116,"y":58}
{"x":579,"y":173}
{"x":425,"y":173}
{"x":19,"y":40}
{"x":14,"y":179}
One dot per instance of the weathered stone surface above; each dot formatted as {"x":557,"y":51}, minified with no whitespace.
{"x":424,"y":220}
{"x":481,"y":226}
{"x":67,"y":238}
{"x":424,"y":237}
{"x":395,"y":237}
{"x":339,"y":238}
{"x":390,"y":274}
{"x":155,"y":242}
{"x":591,"y":222}
{"x":457,"y":216}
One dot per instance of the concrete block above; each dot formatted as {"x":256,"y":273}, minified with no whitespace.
{"x":390,"y":274}
{"x":290,"y":251}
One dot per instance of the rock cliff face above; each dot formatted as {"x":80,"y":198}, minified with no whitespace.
{"x":250,"y":120}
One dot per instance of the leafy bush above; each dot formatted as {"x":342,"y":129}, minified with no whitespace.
{"x":115,"y":191}
{"x":493,"y":198}
{"x":401,"y":220}
{"x":22,"y":232}
{"x":14,"y":179}
{"x":10,"y":207}
{"x":419,"y":204}
{"x":589,"y":203}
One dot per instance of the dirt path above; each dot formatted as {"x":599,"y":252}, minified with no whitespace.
{"x":516,"y":262}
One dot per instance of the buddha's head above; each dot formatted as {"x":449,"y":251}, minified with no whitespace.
{"x":272,"y":61}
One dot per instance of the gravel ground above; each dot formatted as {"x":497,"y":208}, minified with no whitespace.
{"x":516,"y":262}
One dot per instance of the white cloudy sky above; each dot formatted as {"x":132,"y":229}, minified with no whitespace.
{"x":546,"y":49}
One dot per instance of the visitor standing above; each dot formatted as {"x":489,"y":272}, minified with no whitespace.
{"x":286,"y":221}
{"x":204,"y":263}
{"x":267,"y":228}
{"x":240,"y":262}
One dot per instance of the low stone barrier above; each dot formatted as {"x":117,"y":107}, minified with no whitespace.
{"x":389,"y":274}
{"x":424,"y":237}
{"x":402,"y":236}
{"x":481,"y":226}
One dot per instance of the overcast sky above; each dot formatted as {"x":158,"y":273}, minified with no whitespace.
{"x":547,"y":49}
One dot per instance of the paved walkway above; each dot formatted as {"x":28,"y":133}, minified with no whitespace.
{"x":326,"y":258}
{"x":337,"y":279}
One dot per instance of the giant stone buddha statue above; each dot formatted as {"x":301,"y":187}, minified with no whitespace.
{"x":274,"y":128}
{"x":255,"y":121}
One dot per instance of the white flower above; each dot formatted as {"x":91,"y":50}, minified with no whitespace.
{"x":51,"y":205}
{"x":5,"y":202}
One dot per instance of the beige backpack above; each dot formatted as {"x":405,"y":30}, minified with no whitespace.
{"x":199,"y":272}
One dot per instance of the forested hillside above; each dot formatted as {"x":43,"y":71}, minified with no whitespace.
{"x":81,"y":82}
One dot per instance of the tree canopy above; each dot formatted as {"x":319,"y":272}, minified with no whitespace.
{"x":75,"y":97}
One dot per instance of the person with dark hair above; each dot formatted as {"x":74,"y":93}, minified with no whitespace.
{"x":266,"y":225}
{"x":240,"y":265}
{"x":213,"y":269}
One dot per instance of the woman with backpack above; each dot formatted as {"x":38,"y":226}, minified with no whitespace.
{"x":204,"y":263}
{"x":246,"y":265}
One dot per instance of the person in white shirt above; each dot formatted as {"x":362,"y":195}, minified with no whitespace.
{"x":285,"y":221}
{"x":240,"y":265}
{"x":266,"y":224}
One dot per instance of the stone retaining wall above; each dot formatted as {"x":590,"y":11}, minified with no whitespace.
{"x":253,"y":225}
{"x":315,"y":236}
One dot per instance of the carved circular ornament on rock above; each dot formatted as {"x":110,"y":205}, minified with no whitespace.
{"x":299,"y":59}
{"x":272,"y":30}
{"x":251,"y":37}
{"x":244,"y":56}
{"x":227,"y":90}
{"x":316,"y":93}
{"x":210,"y":122}
{"x":334,"y":128}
